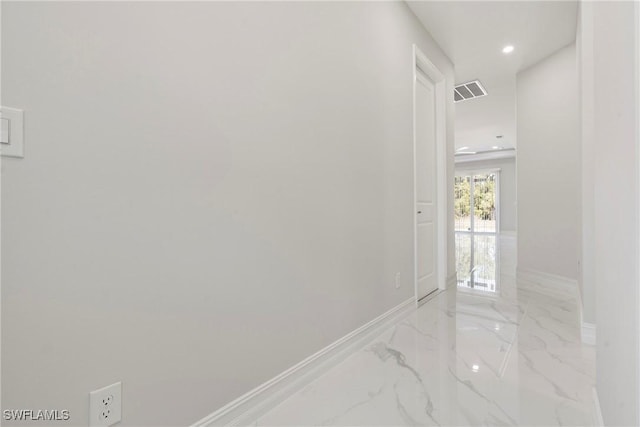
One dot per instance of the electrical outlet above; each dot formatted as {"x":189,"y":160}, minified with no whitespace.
{"x":397,"y":280}
{"x":105,"y":406}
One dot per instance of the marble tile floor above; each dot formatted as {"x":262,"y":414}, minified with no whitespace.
{"x":461,"y":359}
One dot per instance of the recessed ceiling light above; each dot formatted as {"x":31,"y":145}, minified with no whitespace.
{"x":465,"y":152}
{"x":495,"y":147}
{"x":507,"y":49}
{"x":462,"y":148}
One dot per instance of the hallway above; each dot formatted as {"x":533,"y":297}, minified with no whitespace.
{"x":462,"y":358}
{"x":270,"y":213}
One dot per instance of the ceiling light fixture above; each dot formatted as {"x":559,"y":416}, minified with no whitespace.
{"x":462,"y":148}
{"x":495,"y":147}
{"x":507,"y":49}
{"x":466,"y":152}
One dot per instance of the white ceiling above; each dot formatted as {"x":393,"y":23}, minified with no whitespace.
{"x":473,"y":33}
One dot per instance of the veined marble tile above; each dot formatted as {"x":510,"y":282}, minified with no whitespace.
{"x":463,"y":358}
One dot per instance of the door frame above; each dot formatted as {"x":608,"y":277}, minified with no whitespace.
{"x":470,"y":173}
{"x":420,"y":61}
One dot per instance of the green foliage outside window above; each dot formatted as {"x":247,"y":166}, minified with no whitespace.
{"x":484,"y":196}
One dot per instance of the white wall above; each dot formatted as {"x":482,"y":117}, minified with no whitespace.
{"x":549,"y":166}
{"x":211,"y":193}
{"x":479,"y":122}
{"x":614,"y":145}
{"x":507,"y":191}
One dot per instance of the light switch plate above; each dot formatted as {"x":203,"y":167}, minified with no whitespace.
{"x":15,"y":131}
{"x":4,"y":131}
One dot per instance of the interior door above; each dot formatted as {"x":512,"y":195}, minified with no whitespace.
{"x":425,"y":152}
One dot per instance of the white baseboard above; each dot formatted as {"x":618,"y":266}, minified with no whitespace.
{"x":257,"y":402}
{"x":588,"y":333}
{"x":545,"y":283}
{"x":597,"y":412}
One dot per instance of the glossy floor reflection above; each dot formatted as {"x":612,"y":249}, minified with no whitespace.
{"x":463,"y":358}
{"x":478,"y":261}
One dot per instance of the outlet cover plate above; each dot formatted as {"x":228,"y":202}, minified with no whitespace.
{"x":105,"y":406}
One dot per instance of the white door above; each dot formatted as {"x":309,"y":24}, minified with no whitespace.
{"x":425,"y":152}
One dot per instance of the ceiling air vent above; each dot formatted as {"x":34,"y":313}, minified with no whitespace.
{"x":468,"y":90}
